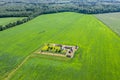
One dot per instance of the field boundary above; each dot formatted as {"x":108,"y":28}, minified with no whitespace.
{"x":107,"y":26}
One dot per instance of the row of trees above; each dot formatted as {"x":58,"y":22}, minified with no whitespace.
{"x":19,"y":22}
{"x":13,"y":24}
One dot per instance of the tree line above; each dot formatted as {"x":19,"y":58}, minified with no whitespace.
{"x":32,"y":10}
{"x":13,"y":24}
{"x":27,"y":9}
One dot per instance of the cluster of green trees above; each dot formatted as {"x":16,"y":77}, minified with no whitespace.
{"x":53,"y":49}
{"x":15,"y":14}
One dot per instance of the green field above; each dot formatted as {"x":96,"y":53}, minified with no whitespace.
{"x":96,"y":59}
{"x":4,"y":21}
{"x":112,"y":20}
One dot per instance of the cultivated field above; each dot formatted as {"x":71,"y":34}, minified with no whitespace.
{"x":4,"y":21}
{"x":96,"y":59}
{"x":112,"y":20}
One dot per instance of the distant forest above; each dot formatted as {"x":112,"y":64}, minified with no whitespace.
{"x":33,"y":8}
{"x":22,"y":8}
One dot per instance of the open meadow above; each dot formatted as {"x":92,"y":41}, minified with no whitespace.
{"x":96,"y":59}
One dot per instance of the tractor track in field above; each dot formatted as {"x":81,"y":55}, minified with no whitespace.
{"x":15,"y":69}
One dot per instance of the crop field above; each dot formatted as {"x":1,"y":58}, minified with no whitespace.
{"x":112,"y":20}
{"x":4,"y":21}
{"x":96,"y":59}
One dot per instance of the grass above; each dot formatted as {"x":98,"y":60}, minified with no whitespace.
{"x":112,"y":20}
{"x":96,"y":59}
{"x":4,"y":21}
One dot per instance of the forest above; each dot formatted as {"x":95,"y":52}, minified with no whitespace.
{"x":33,"y":9}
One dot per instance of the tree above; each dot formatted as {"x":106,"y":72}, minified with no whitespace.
{"x":1,"y":27}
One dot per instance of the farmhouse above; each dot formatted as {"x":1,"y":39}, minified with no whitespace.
{"x":70,"y":50}
{"x":59,"y":50}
